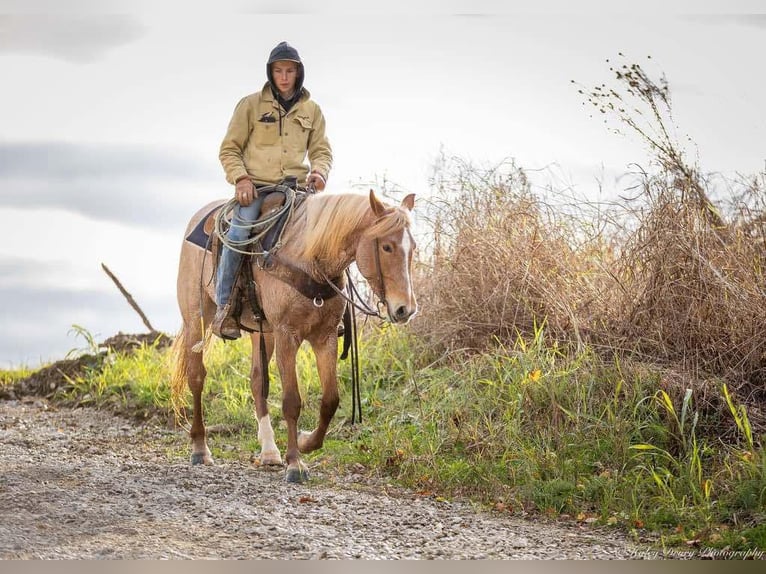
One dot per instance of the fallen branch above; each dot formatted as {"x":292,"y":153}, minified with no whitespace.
{"x":129,"y":297}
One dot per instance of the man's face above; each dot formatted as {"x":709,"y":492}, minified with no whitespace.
{"x":285,"y":74}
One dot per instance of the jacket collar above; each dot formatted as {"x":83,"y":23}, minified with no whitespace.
{"x":268,"y":96}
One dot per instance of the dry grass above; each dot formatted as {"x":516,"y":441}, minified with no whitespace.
{"x":501,"y":263}
{"x":666,"y":277}
{"x":693,"y":288}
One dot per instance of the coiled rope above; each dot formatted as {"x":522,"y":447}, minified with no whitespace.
{"x":257,"y":229}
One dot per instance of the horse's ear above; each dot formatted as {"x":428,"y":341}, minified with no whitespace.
{"x":377,"y":207}
{"x":409,"y":202}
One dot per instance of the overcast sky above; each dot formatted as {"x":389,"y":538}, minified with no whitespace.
{"x":110,"y":123}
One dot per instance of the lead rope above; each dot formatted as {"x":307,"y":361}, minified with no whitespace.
{"x":356,"y":393}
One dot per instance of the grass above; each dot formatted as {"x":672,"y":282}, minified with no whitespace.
{"x":9,"y":377}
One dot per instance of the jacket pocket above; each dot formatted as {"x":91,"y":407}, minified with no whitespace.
{"x":301,"y":129}
{"x":304,"y":121}
{"x":265,"y":133}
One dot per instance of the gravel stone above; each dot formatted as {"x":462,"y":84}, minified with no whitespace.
{"x":86,"y":484}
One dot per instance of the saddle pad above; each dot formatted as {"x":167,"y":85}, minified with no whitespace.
{"x":200,"y":235}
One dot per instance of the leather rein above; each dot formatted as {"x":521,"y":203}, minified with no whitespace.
{"x":354,"y":293}
{"x":307,"y":286}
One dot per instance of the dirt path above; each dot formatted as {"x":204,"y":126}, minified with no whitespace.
{"x":86,"y":484}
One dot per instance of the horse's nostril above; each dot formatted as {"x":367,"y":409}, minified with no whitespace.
{"x":401,"y":312}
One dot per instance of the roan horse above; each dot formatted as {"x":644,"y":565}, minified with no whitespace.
{"x":326,"y":233}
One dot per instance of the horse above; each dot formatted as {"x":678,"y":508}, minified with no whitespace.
{"x":327,"y":233}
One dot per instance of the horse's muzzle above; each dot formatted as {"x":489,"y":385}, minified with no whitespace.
{"x":402,"y":313}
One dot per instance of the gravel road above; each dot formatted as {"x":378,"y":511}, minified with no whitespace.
{"x":85,"y":484}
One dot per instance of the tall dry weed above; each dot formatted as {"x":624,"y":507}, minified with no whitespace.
{"x":502,"y":262}
{"x":694,"y":288}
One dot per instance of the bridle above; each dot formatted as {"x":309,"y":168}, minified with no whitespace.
{"x":354,"y":298}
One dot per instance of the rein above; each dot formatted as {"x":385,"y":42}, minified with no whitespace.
{"x":351,"y":342}
{"x":354,"y":293}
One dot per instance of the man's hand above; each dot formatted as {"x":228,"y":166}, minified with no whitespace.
{"x":315,"y":178}
{"x":244,"y":191}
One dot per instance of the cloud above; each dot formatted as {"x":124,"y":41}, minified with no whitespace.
{"x":126,"y":184}
{"x":755,"y":20}
{"x":75,"y":39}
{"x":67,"y":160}
{"x":38,"y":321}
{"x":16,"y":272}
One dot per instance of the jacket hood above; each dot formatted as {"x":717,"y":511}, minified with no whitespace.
{"x":284,"y":51}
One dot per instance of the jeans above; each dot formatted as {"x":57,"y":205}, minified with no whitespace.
{"x":230,"y":260}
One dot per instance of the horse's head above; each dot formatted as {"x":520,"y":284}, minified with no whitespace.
{"x":384,"y":257}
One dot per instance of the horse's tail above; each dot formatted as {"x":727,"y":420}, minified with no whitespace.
{"x":179,"y":372}
{"x":181,"y":355}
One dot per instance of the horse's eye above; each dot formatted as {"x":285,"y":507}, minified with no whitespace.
{"x":387,"y":248}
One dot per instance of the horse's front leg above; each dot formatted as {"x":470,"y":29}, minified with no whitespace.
{"x":269,"y":455}
{"x":287,"y":349}
{"x":326,"y":352}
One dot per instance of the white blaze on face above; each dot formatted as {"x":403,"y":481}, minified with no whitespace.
{"x":406,"y":247}
{"x":266,"y":434}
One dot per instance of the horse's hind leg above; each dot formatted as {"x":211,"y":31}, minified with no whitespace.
{"x":196,"y":373}
{"x":270,"y":454}
{"x":196,"y":305}
{"x":190,"y":369}
{"x":326,"y":352}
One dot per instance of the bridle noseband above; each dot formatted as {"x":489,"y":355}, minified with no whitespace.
{"x":355,"y":299}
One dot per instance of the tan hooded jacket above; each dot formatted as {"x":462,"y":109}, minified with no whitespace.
{"x":267,"y":145}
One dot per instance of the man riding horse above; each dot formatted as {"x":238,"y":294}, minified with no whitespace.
{"x":270,"y":136}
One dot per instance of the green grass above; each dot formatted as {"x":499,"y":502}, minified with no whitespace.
{"x":9,"y":377}
{"x":527,"y":429}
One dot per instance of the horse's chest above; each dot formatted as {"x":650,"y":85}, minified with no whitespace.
{"x":286,"y":306}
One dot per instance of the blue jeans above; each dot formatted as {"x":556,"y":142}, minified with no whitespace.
{"x":230,"y":260}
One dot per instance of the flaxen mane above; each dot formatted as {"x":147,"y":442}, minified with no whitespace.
{"x":329,"y":221}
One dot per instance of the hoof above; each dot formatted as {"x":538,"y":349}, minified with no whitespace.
{"x":269,"y":458}
{"x":297,"y":475}
{"x":201,"y":458}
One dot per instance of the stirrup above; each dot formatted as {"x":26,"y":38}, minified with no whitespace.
{"x":219,"y":325}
